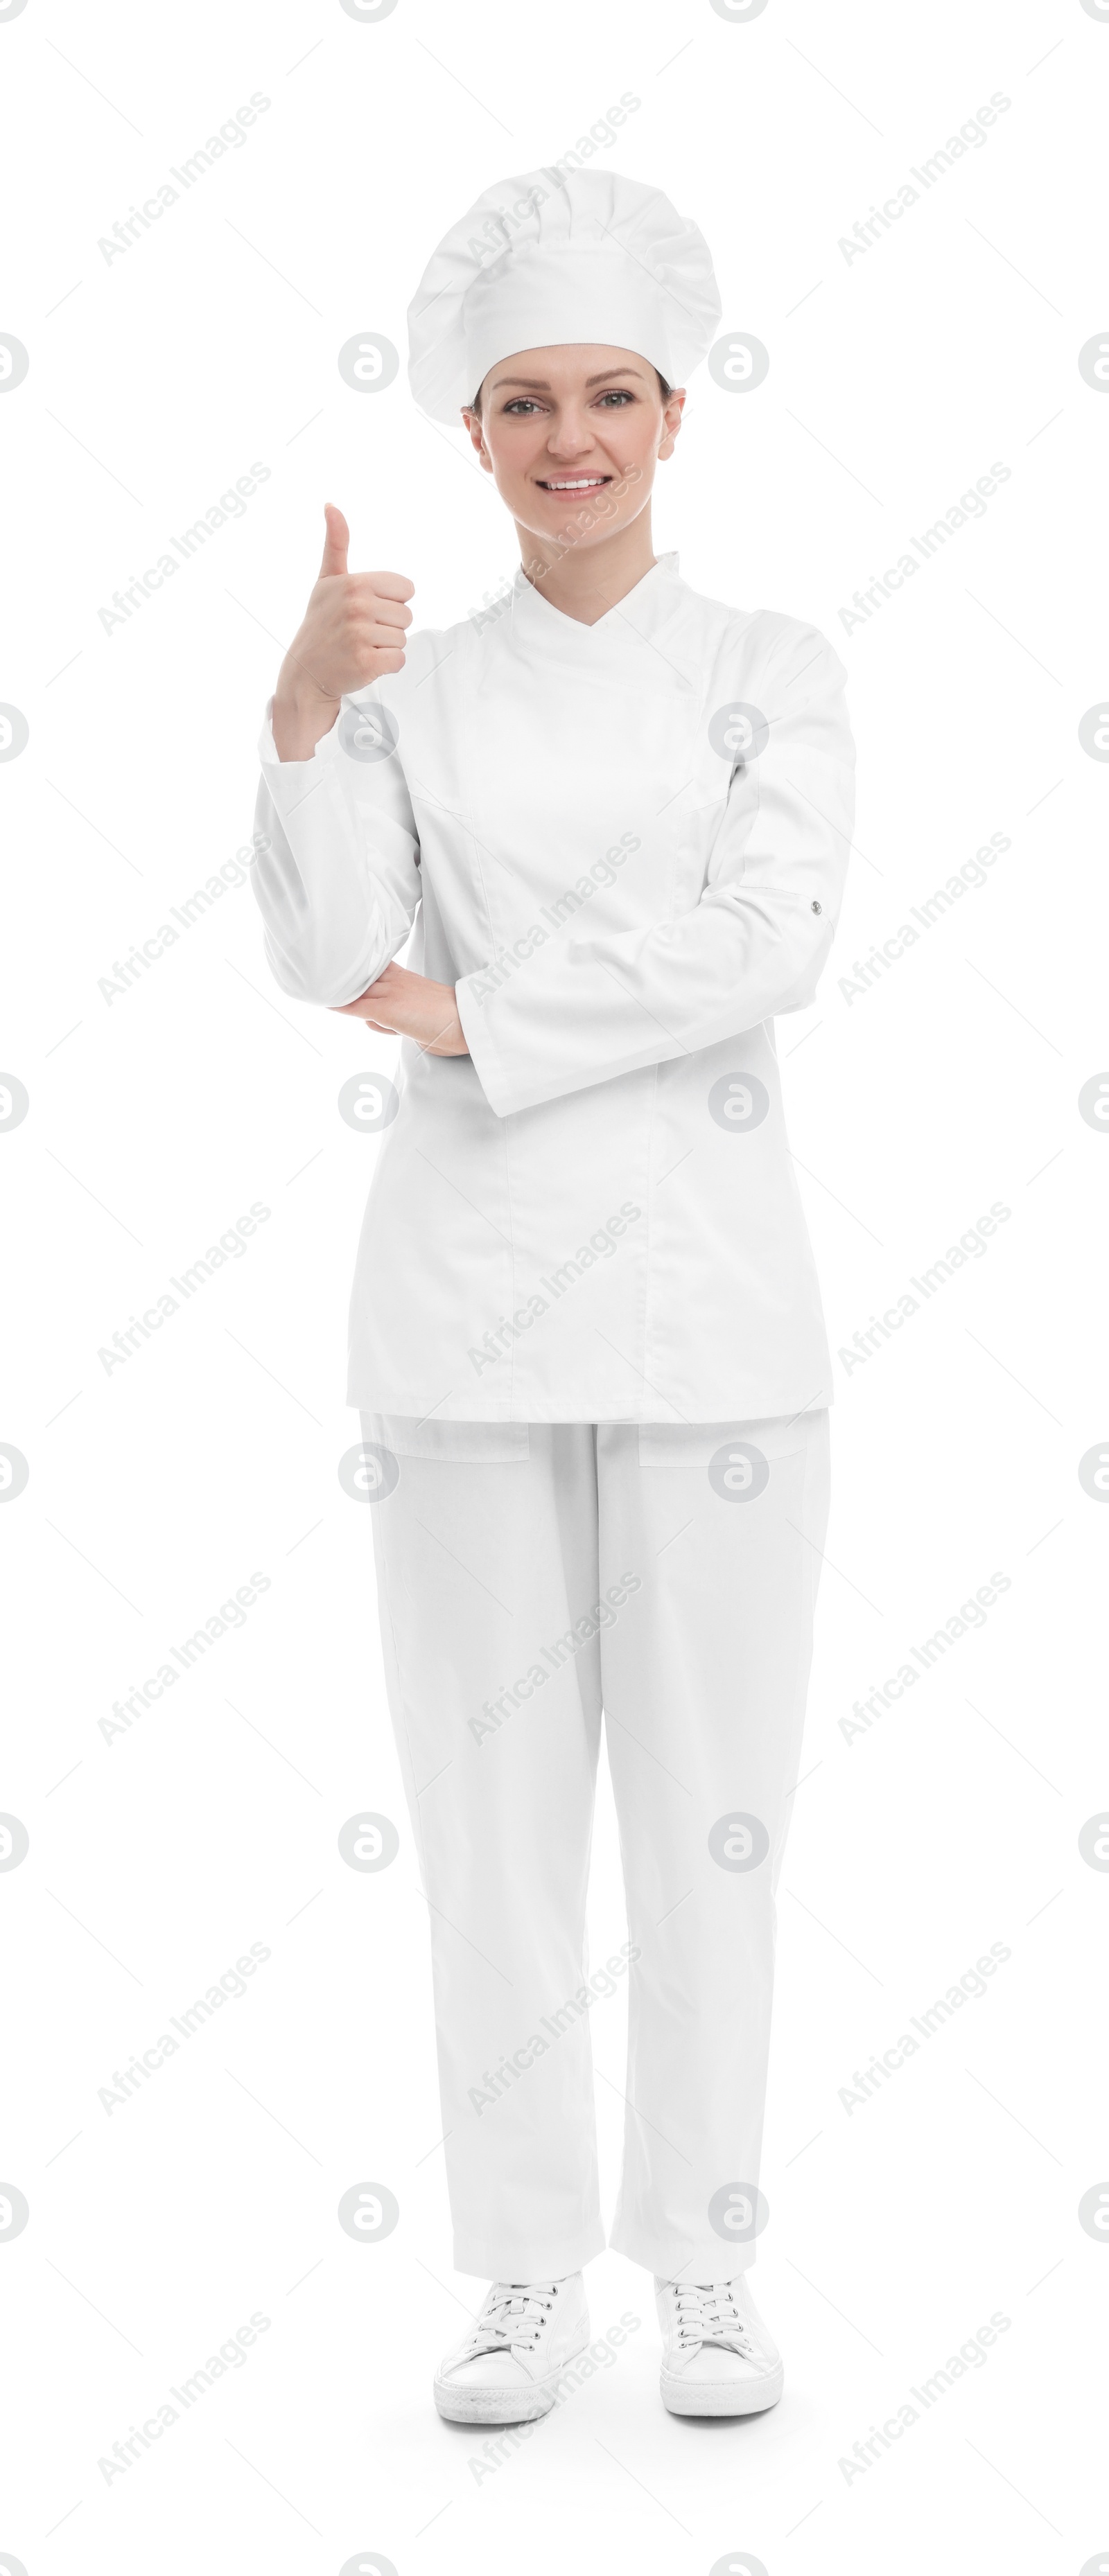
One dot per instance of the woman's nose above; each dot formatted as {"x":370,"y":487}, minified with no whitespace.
{"x":571,"y":435}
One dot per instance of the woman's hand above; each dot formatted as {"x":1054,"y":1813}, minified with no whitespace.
{"x":411,"y":1006}
{"x":352,"y":632}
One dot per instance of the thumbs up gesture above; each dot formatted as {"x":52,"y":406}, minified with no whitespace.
{"x":352,"y":632}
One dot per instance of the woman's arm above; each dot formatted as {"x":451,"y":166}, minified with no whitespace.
{"x":337,"y":874}
{"x":586,"y":1008}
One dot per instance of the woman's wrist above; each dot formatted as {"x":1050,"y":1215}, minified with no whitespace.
{"x":301,"y":715}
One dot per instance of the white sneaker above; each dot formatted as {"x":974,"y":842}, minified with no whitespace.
{"x":507,"y":2368}
{"x":718,"y":2358}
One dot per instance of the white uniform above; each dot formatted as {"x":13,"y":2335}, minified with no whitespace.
{"x":526,"y":1574}
{"x":586,"y":1333}
{"x":626,"y":846}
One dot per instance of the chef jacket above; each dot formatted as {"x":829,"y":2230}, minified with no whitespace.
{"x":624,"y":845}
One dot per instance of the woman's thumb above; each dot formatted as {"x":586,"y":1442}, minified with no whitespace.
{"x":336,"y":541}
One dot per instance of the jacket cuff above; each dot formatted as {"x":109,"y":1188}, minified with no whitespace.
{"x":487,"y":1062}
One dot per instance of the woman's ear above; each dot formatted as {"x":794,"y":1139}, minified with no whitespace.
{"x":472,"y":420}
{"x":672,"y":410}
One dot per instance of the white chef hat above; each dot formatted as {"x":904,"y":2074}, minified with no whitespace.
{"x":550,"y":258}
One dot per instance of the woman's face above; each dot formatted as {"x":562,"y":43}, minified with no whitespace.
{"x":572,"y":436}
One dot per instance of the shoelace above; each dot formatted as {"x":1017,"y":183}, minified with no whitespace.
{"x":707,"y":2313}
{"x":513,"y":2314}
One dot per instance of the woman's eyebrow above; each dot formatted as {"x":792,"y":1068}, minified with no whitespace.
{"x":541,"y":384}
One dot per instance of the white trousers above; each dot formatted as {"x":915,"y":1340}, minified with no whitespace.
{"x":531,"y":1577}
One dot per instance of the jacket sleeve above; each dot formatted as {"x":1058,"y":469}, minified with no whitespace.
{"x":337,"y":873}
{"x":588,"y":1006}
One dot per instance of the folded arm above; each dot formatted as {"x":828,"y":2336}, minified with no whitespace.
{"x":591,"y":1004}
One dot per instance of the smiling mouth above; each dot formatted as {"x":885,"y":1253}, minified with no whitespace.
{"x":573,"y":482}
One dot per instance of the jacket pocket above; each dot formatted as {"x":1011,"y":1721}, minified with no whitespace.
{"x":693,"y":1444}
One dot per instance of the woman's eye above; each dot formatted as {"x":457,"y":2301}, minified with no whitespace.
{"x":520,"y":407}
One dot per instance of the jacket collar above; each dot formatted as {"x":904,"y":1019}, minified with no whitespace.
{"x":640,"y":617}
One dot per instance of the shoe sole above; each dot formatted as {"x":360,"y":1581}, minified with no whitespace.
{"x":503,"y":2406}
{"x":679,"y":2398}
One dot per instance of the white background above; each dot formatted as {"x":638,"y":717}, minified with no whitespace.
{"x":156,"y":1119}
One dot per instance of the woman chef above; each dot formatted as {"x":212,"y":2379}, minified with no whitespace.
{"x":586,"y":1333}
